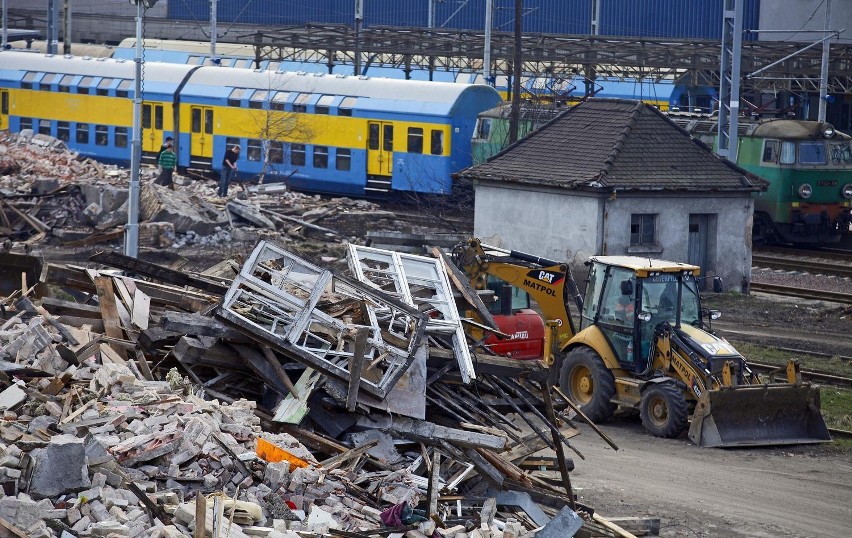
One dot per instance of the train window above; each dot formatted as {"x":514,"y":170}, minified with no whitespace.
{"x":65,"y":83}
{"x":4,"y":102}
{"x":642,"y":229}
{"x":101,"y":135}
{"x":146,"y":116}
{"x":301,"y":103}
{"x":63,"y":131}
{"x":84,"y":85}
{"x":324,"y":104}
{"x":82,"y":133}
{"x":231,"y":142}
{"x":47,"y":80}
{"x":320,"y":157}
{"x":44,"y":127}
{"x":373,"y":141}
{"x":255,"y":150}
{"x":812,"y":152}
{"x":27,"y":82}
{"x":388,"y":138}
{"x":343,"y":160}
{"x":121,"y":137}
{"x":236,"y":97}
{"x":258,"y":98}
{"x":26,"y":123}
{"x":208,"y":121}
{"x":415,"y":140}
{"x":840,"y":153}
{"x":103,"y":86}
{"x":788,"y":153}
{"x":483,"y":128}
{"x":437,"y":142}
{"x":158,"y":117}
{"x":123,"y":89}
{"x":297,"y":154}
{"x":279,"y":100}
{"x":194,"y":60}
{"x":770,"y":150}
{"x":346,"y":106}
{"x":276,"y":152}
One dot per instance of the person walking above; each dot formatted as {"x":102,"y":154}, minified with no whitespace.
{"x":229,"y":170}
{"x":167,"y":163}
{"x":168,"y":141}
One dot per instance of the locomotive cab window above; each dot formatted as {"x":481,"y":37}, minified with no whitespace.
{"x":770,"y":150}
{"x":415,"y":140}
{"x":437,"y":142}
{"x":788,"y":153}
{"x":483,"y":128}
{"x":812,"y":152}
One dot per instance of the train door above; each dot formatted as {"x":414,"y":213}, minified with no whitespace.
{"x":379,"y":155}
{"x":4,"y":110}
{"x":152,"y":127}
{"x":201,"y":135}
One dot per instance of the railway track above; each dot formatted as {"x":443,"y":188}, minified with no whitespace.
{"x":807,"y":375}
{"x":837,"y":265}
{"x":792,"y":291}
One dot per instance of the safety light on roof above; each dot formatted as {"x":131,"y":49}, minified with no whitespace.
{"x":847,"y":191}
{"x":805,"y":190}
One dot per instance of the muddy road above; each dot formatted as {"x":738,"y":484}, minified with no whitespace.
{"x":800,"y":491}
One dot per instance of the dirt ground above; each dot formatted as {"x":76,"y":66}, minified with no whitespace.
{"x":760,"y":492}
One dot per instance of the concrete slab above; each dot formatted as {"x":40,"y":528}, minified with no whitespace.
{"x":59,"y":468}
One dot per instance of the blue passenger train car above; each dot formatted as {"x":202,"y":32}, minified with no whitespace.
{"x":324,"y":133}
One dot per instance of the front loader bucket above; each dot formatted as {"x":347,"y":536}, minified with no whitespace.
{"x":754,"y":415}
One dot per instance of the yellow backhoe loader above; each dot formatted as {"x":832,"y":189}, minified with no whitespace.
{"x":645,"y":342}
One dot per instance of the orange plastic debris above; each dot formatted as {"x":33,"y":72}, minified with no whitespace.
{"x":273,"y":454}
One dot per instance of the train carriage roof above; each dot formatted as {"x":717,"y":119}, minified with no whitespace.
{"x":408,"y":95}
{"x":157,"y":77}
{"x":795,"y":130}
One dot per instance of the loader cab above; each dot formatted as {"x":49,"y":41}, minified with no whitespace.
{"x":627,"y":297}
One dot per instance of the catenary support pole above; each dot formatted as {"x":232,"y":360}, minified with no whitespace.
{"x":131,"y":230}
{"x":486,"y":53}
{"x":514,"y":119}
{"x":213,"y":29}
{"x":66,"y":28}
{"x":823,"y":74}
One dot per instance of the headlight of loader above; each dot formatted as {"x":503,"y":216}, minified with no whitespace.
{"x":847,"y":191}
{"x":805,"y":190}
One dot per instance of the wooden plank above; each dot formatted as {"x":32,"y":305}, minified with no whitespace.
{"x":612,"y":526}
{"x":109,"y":312}
{"x":200,"y":515}
{"x":279,"y":370}
{"x":434,"y":486}
{"x":336,"y":461}
{"x":560,"y":451}
{"x":58,"y":307}
{"x":356,"y":363}
{"x":123,"y":293}
{"x":141,"y":309}
{"x":292,"y":410}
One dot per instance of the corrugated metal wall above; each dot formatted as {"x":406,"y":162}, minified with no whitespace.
{"x":647,"y":18}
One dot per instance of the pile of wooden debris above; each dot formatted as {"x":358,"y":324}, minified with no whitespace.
{"x":274,"y":398}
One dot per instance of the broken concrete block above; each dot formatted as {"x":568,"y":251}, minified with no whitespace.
{"x":565,"y":523}
{"x":12,"y":396}
{"x":21,"y":510}
{"x":106,"y":528}
{"x":60,"y":467}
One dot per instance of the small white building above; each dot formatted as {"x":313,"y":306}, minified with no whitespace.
{"x":617,"y":177}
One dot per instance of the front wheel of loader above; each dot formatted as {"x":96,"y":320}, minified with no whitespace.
{"x":588,"y":382}
{"x":664,"y":411}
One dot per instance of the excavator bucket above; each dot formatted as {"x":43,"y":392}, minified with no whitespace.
{"x":755,"y":415}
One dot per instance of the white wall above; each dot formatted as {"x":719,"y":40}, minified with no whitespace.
{"x":804,"y":15}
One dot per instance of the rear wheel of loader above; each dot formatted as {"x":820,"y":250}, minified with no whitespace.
{"x":664,"y":411}
{"x":588,"y":382}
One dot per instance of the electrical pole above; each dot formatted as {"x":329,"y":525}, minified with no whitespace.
{"x":213,"y":30}
{"x":516,"y":75}
{"x":131,"y":230}
{"x":359,"y":19}
{"x":729,"y":80}
{"x":823,"y":74}
{"x":66,"y":32}
{"x":52,"y":27}
{"x":5,"y":24}
{"x":486,"y":54}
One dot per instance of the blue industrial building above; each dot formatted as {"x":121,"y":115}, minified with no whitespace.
{"x":681,"y":19}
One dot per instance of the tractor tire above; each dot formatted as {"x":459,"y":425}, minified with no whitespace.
{"x":588,"y":382}
{"x":664,"y":410}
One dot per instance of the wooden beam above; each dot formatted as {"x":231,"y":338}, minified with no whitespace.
{"x":557,"y":442}
{"x":434,"y":486}
{"x":109,"y":312}
{"x":356,"y":363}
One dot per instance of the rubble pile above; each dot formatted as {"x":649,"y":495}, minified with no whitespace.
{"x":49,"y":195}
{"x":271,"y":398}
